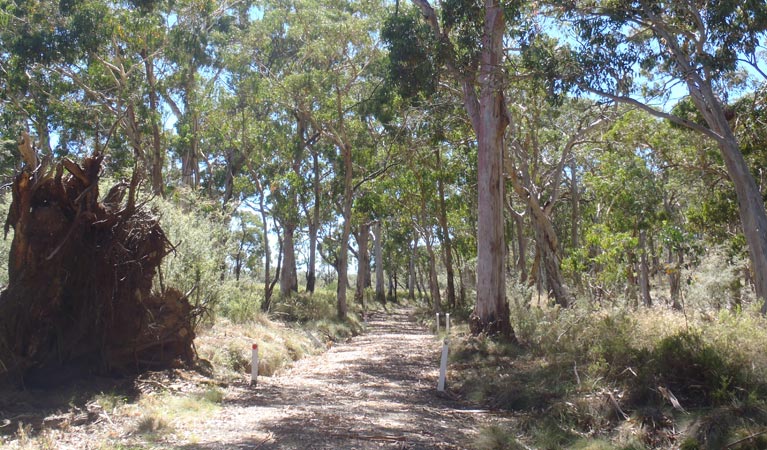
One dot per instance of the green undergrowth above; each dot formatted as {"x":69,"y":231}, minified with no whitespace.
{"x":581,"y":379}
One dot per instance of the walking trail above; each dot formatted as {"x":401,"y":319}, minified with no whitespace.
{"x":376,"y":391}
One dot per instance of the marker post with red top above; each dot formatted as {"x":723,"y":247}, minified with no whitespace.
{"x":254,"y":366}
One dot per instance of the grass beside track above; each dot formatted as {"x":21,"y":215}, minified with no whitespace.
{"x":619,"y":379}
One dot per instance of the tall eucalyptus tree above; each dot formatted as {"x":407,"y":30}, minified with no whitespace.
{"x":466,"y":40}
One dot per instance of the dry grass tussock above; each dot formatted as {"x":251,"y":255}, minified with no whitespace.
{"x":227,"y":346}
{"x":617,"y":378}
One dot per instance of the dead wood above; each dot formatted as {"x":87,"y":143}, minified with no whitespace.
{"x":80,"y":280}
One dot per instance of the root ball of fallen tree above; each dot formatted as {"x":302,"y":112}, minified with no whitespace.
{"x":80,"y":280}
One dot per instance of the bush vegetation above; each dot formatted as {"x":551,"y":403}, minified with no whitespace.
{"x":622,"y":378}
{"x":297,"y":325}
{"x":200,"y":235}
{"x":594,"y":376}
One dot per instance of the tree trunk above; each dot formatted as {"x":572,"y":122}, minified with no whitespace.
{"x":189,"y":158}
{"x":433,"y":280}
{"x":752,"y":216}
{"x":444,"y":235}
{"x":631,"y":280}
{"x":238,"y":260}
{"x":548,"y":249}
{"x":490,"y":119}
{"x":411,"y":282}
{"x":267,"y":266}
{"x":314,"y":225}
{"x":654,"y":257}
{"x":393,"y":286}
{"x":575,"y":202}
{"x":750,"y":203}
{"x":288,"y":277}
{"x":157,"y":154}
{"x":343,"y":257}
{"x":644,"y":269}
{"x":268,"y":285}
{"x":363,"y":260}
{"x":367,"y":273}
{"x":675,"y":277}
{"x":421,"y":285}
{"x":311,"y":274}
{"x":44,"y":135}
{"x":380,"y":290}
{"x":532,"y":279}
{"x":554,"y":279}
{"x":228,"y":177}
{"x":521,"y":262}
{"x":512,"y":252}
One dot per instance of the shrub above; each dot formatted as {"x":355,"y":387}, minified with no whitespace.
{"x":716,"y":281}
{"x":694,"y":371}
{"x":335,"y":329}
{"x":200,"y":235}
{"x":240,"y":301}
{"x":610,"y":346}
{"x":577,"y":366}
{"x":304,"y":306}
{"x":235,"y":359}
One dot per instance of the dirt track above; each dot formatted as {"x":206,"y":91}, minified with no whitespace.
{"x":376,"y":391}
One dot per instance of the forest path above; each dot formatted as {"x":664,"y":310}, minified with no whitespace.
{"x":376,"y":391}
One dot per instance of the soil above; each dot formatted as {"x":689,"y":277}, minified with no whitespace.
{"x":377,"y":390}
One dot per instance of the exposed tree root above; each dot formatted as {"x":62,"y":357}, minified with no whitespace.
{"x":80,"y":280}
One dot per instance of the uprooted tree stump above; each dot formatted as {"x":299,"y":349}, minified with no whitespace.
{"x":80,"y":280}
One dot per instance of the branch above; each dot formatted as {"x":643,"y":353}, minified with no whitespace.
{"x":754,"y":64}
{"x":173,"y":106}
{"x":655,"y":112}
{"x":375,"y":174}
{"x":745,"y":439}
{"x":431,"y":17}
{"x":571,"y":143}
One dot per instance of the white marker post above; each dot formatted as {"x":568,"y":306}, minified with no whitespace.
{"x":254,"y":366}
{"x":442,"y":368}
{"x":447,"y":324}
{"x":437,"y":322}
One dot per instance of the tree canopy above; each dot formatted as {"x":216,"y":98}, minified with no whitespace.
{"x":469,"y":148}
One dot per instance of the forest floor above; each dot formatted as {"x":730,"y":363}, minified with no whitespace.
{"x":376,"y":390}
